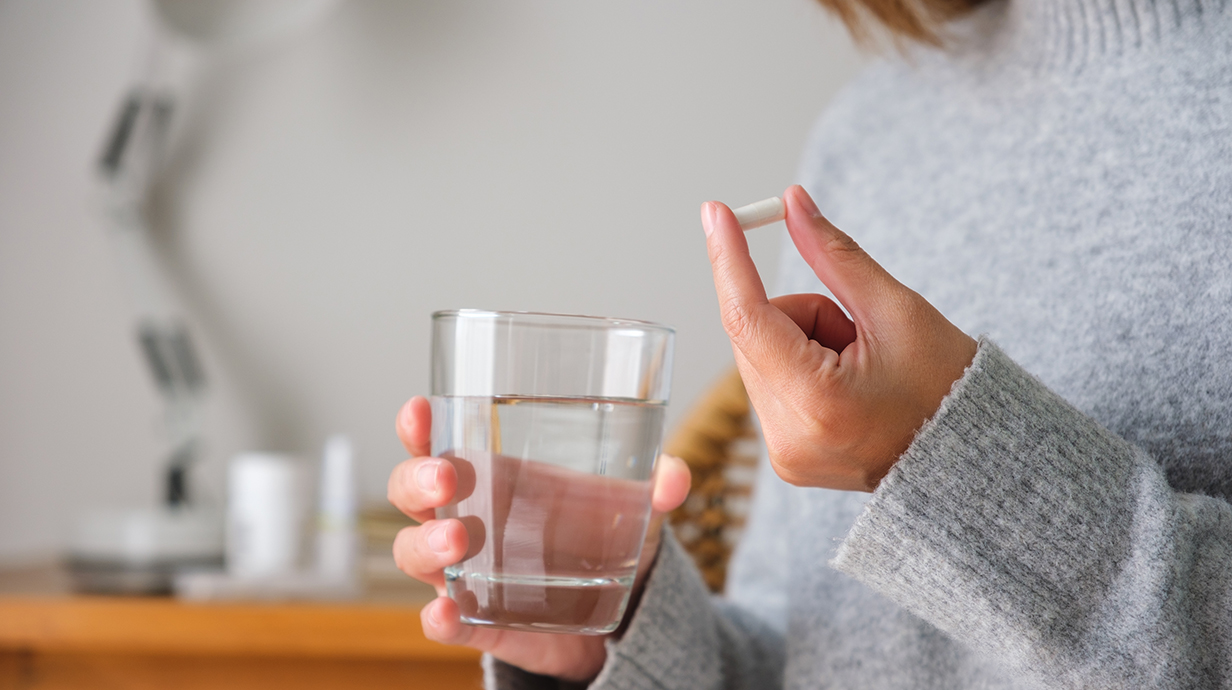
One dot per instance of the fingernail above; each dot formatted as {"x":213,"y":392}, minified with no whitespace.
{"x":806,"y":200}
{"x":708,"y":218}
{"x":434,"y":615}
{"x":425,"y":476}
{"x":438,"y":541}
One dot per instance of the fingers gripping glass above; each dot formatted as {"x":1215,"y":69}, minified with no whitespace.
{"x":553,"y":424}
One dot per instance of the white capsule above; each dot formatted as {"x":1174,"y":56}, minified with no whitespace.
{"x":761,"y":213}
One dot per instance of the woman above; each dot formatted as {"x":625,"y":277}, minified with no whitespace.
{"x":1049,"y":505}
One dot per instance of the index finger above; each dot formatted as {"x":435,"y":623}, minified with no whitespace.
{"x":748,"y":317}
{"x":414,"y":426}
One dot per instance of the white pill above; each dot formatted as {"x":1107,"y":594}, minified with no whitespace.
{"x":760,"y":213}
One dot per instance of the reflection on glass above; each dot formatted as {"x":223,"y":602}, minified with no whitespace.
{"x":555,"y":494}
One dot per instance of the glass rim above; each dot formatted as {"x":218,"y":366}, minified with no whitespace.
{"x":550,"y":319}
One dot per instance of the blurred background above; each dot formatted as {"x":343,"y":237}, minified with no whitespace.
{"x":328,"y":188}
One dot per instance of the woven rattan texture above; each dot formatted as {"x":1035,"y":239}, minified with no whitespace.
{"x":718,"y":442}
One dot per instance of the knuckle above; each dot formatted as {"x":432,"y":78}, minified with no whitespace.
{"x":404,"y":550}
{"x":786,"y":469}
{"x":841,"y":246}
{"x":736,"y":320}
{"x":431,"y":628}
{"x":411,"y":554}
{"x":776,"y":449}
{"x":402,"y":491}
{"x":823,"y":426}
{"x":395,"y":488}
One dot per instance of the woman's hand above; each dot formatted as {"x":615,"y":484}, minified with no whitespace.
{"x":839,"y":398}
{"x":420,"y":485}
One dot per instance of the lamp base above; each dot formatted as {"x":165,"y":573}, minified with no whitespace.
{"x":141,"y":551}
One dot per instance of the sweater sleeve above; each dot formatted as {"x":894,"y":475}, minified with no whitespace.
{"x":681,"y":637}
{"x":1024,"y":529}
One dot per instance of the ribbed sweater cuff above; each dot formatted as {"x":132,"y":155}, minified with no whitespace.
{"x":668,"y":644}
{"x":501,"y":676}
{"x":1003,"y":517}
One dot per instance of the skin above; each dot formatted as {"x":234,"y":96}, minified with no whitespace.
{"x":421,"y":484}
{"x":839,"y":400}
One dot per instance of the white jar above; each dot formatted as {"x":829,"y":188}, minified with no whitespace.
{"x":265,"y":515}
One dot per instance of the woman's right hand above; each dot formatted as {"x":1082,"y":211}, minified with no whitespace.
{"x":421,"y":484}
{"x":840,"y":398}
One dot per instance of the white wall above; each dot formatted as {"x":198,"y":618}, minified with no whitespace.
{"x":333,"y":189}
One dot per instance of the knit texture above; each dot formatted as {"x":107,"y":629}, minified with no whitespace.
{"x":1059,"y":179}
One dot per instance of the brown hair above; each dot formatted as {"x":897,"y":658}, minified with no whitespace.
{"x":918,"y":20}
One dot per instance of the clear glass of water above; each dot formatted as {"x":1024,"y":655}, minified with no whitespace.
{"x":553,"y":424}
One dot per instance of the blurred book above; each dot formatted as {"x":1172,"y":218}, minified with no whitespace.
{"x":379,"y":524}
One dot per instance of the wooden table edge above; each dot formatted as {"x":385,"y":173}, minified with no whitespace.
{"x":57,"y":623}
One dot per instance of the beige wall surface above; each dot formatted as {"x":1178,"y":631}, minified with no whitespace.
{"x":329,"y":190}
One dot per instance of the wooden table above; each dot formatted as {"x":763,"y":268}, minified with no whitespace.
{"x":63,"y":641}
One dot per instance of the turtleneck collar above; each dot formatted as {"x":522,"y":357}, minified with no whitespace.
{"x":1071,"y":34}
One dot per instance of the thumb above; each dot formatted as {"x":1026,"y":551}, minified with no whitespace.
{"x":671,"y":488}
{"x":671,"y":484}
{"x":859,"y":283}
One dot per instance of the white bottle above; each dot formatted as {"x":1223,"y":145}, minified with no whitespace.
{"x":337,"y":548}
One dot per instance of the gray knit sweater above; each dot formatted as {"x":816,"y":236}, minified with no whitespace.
{"x":1060,"y":180}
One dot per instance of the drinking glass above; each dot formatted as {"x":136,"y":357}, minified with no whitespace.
{"x":553,"y":424}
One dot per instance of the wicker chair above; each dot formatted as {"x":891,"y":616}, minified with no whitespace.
{"x":720,"y":446}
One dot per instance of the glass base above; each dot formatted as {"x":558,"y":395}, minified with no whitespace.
{"x":547,"y":604}
{"x":542,"y":627}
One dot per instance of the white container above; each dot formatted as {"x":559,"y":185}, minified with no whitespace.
{"x":337,"y":553}
{"x":265,"y":515}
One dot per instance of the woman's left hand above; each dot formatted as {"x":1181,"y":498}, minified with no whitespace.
{"x":839,"y":398}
